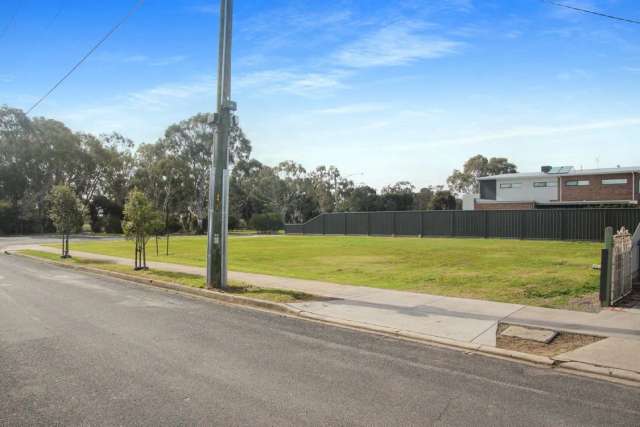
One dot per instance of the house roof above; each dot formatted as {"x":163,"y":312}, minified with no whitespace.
{"x":574,"y":172}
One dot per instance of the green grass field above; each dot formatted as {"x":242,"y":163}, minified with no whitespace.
{"x":543,"y":273}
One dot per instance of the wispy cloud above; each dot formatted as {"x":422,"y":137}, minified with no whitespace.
{"x":140,"y":59}
{"x":207,"y":9}
{"x":541,"y":131}
{"x":143,"y":114}
{"x":169,"y":60}
{"x":6,"y":78}
{"x":354,"y":109}
{"x":400,"y":43}
{"x":277,"y":26}
{"x":165,"y":95}
{"x":303,"y":84}
{"x":574,"y":74}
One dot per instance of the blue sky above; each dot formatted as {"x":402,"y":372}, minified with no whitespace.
{"x":392,"y":90}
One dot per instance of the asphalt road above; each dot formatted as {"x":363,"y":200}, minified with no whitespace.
{"x":78,"y":349}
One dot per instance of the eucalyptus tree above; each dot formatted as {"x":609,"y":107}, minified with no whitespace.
{"x":466,"y":180}
{"x":190,"y":141}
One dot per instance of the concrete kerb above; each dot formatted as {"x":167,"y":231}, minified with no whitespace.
{"x":578,"y":367}
{"x":601,"y":371}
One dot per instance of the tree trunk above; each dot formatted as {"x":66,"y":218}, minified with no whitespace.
{"x":157,"y":247}
{"x":62,"y":252}
{"x":135,"y":262}
{"x":144,"y":254}
{"x":167,"y":244}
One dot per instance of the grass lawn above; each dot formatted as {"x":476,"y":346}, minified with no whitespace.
{"x":542,"y":273}
{"x":191,"y":280}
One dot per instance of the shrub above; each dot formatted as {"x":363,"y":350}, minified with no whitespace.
{"x":233,"y":222}
{"x":113,"y":224}
{"x":266,"y":222}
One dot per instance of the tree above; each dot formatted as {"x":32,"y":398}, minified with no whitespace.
{"x":397,"y":197}
{"x":66,"y":213}
{"x":266,"y":222}
{"x":466,"y":181}
{"x":424,"y":198}
{"x":141,"y":221}
{"x":362,"y":199}
{"x":443,"y":200}
{"x":191,"y":141}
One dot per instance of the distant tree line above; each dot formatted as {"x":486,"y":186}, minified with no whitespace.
{"x":38,"y":154}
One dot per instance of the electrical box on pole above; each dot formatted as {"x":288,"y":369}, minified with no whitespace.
{"x":219,"y":174}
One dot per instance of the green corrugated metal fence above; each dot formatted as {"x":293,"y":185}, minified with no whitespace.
{"x":546,"y":224}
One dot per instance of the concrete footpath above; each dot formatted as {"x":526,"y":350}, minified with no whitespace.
{"x":472,"y":322}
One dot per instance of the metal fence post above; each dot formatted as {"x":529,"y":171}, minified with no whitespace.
{"x":421,"y":224}
{"x":604,"y":274}
{"x":368,"y":223}
{"x":345,"y":223}
{"x":606,"y":267}
{"x":486,"y":224}
{"x":393,"y":222}
{"x":452,"y":221}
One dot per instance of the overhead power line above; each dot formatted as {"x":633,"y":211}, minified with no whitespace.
{"x":592,"y":12}
{"x":115,"y":28}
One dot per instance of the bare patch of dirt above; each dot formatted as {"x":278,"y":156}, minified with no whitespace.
{"x":562,"y":343}
{"x":589,"y":303}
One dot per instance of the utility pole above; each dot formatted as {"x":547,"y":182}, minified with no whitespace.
{"x":219,"y":174}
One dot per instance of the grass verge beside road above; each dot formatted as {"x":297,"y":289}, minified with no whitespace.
{"x":190,"y":280}
{"x":541,"y":273}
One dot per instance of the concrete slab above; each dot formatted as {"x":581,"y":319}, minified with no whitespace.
{"x":488,"y":337}
{"x":417,"y":320}
{"x":611,"y":352}
{"x":606,"y":323}
{"x":539,"y":335}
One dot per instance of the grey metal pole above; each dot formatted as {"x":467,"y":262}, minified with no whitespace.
{"x":219,"y":175}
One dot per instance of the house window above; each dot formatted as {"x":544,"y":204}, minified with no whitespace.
{"x":579,"y":183}
{"x":511,"y":185}
{"x":620,"y":181}
{"x":543,"y":184}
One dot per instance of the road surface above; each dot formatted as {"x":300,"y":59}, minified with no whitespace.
{"x":78,"y":349}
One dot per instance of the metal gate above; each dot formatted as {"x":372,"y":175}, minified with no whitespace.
{"x":621,"y":265}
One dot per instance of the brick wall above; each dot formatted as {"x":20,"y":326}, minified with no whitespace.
{"x":504,"y":206}
{"x":596,"y":191}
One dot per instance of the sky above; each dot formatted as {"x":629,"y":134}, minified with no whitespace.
{"x":386,"y":91}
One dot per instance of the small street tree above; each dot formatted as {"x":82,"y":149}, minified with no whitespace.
{"x":66,"y":213}
{"x":141,"y":222}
